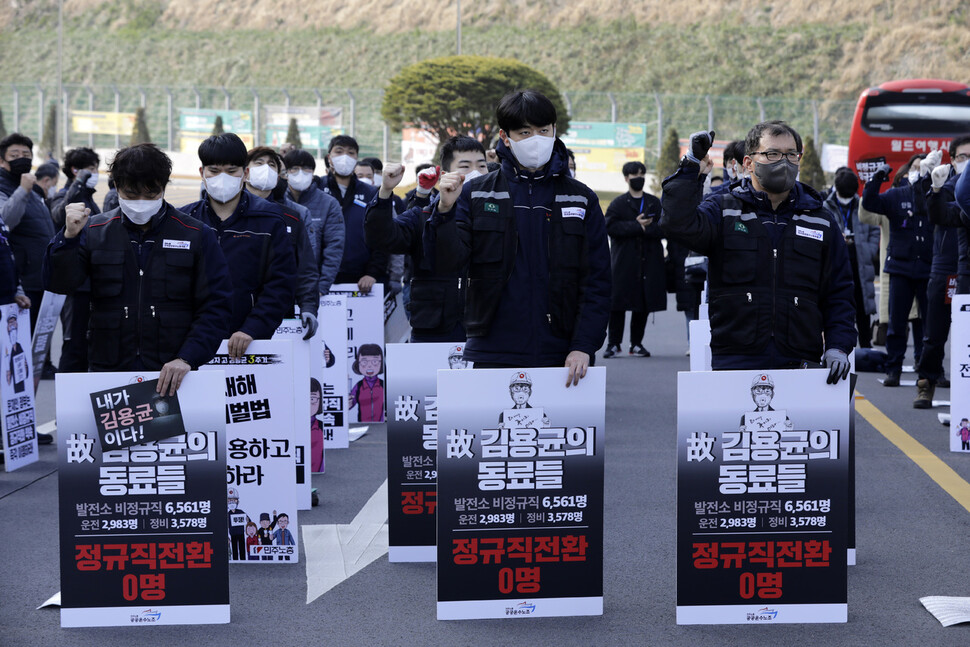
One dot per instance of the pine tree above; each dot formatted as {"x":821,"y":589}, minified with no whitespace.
{"x":218,"y":129}
{"x":810,"y":172}
{"x":3,"y":129}
{"x":293,"y":134}
{"x":669,"y":158}
{"x":48,"y":143}
{"x":139,"y":132}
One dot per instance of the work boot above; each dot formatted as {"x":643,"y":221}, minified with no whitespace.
{"x":924,"y":394}
{"x":891,"y":379}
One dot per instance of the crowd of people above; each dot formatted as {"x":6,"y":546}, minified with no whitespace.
{"x":502,"y":249}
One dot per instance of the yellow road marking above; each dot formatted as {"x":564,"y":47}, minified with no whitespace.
{"x":936,"y":469}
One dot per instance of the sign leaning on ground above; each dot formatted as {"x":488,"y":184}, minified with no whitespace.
{"x":17,"y":389}
{"x":762,"y":497}
{"x":365,"y":352}
{"x":960,"y":374}
{"x":520,"y":493}
{"x":412,"y":442}
{"x":142,"y":522}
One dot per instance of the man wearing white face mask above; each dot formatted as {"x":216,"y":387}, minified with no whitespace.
{"x":360,"y":264}
{"x":325,"y":223}
{"x":534,"y":241}
{"x":251,"y":231}
{"x":81,"y":169}
{"x":264,"y":181}
{"x":435,"y":304}
{"x":160,"y":287}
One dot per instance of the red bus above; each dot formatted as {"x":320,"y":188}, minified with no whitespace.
{"x":896,"y":120}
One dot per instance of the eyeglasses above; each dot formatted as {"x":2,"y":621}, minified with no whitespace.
{"x":762,"y":390}
{"x":962,"y":157}
{"x":774,"y":156}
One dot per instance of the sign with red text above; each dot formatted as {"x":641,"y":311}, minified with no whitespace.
{"x":520,"y":493}
{"x":762,"y":497}
{"x":142,"y":527}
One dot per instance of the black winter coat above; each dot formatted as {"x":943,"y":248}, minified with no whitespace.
{"x":636,"y":254}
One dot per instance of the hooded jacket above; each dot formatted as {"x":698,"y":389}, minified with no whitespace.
{"x":779,"y":280}
{"x":325,"y":227}
{"x":538,"y":263}
{"x":30,"y":229}
{"x":865,"y":246}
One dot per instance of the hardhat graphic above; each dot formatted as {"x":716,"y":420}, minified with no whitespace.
{"x":763,"y":379}
{"x":520,"y":377}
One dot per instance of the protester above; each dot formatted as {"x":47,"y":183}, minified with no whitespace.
{"x":436,"y":301}
{"x":24,"y":212}
{"x":733,"y":163}
{"x":264,"y":165}
{"x":81,"y":169}
{"x":252,"y":234}
{"x":637,"y":260}
{"x":780,"y":284}
{"x":909,"y":257}
{"x":326,"y":220}
{"x":945,"y":215}
{"x":360,"y":265}
{"x":47,"y":175}
{"x":534,"y":242}
{"x":160,"y":290}
{"x":862,"y":241}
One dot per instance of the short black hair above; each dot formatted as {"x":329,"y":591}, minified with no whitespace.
{"x":492,"y":166}
{"x":734,"y":151}
{"x":523,"y":107}
{"x":630,"y":168}
{"x":423,"y":165}
{"x":301,"y":158}
{"x":846,"y":182}
{"x":459,"y":144}
{"x":957,"y":142}
{"x":79,"y":158}
{"x":773,"y":128}
{"x":343,"y":140}
{"x":14,"y":139}
{"x":374,"y":163}
{"x":47,"y":169}
{"x":142,"y":168}
{"x":226,"y":148}
{"x":264,"y":151}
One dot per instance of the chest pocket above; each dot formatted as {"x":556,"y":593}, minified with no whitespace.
{"x":107,"y":272}
{"x":178,"y":275}
{"x":488,"y":235}
{"x":803,"y":263}
{"x":572,"y":243}
{"x":740,"y":259}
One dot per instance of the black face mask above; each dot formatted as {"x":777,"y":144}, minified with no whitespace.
{"x":636,"y":183}
{"x":20,"y":166}
{"x":778,"y":177}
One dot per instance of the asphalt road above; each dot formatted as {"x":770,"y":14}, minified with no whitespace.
{"x":910,"y":544}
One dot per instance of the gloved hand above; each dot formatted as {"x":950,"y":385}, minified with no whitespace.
{"x":838,"y":364}
{"x":939,"y":176}
{"x":882,"y":173}
{"x":427,"y":179}
{"x":310,"y":323}
{"x":930,"y":162}
{"x":83,"y":177}
{"x":700,"y":144}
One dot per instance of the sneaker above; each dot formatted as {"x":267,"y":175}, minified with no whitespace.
{"x":943,"y":382}
{"x":891,"y":379}
{"x":611,"y":351}
{"x":639,"y":351}
{"x":924,"y":394}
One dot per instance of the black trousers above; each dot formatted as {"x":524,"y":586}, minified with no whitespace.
{"x":638,"y":322}
{"x":936,"y":329}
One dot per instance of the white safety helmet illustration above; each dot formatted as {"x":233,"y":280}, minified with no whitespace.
{"x":521,"y":377}
{"x":233,"y":493}
{"x":763,"y":379}
{"x":456,"y":351}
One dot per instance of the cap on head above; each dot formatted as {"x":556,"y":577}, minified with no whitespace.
{"x":763,"y":379}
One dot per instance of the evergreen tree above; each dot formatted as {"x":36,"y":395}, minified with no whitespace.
{"x":669,"y":158}
{"x":3,"y":129}
{"x":293,"y":134}
{"x":48,"y":143}
{"x":139,"y":133}
{"x":218,"y":129}
{"x":810,"y":172}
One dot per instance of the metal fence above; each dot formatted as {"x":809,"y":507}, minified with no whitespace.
{"x":24,"y":107}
